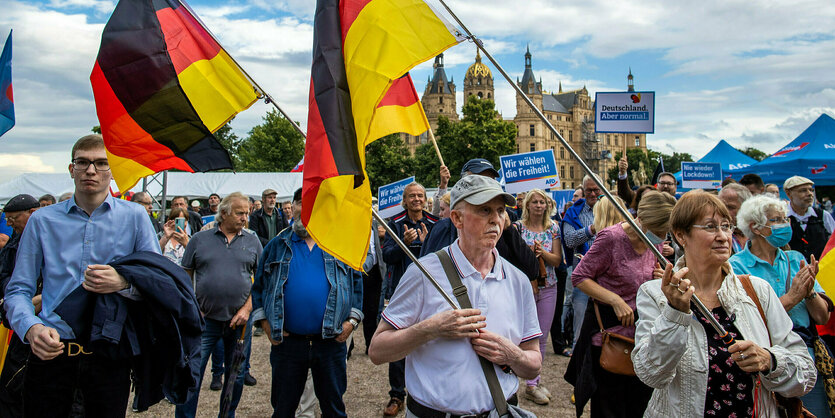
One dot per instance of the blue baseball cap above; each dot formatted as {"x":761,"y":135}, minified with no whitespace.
{"x":479,"y":166}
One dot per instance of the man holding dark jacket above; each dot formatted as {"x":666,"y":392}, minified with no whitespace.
{"x":69,"y":243}
{"x":268,"y":221}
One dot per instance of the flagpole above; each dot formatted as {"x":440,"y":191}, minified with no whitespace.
{"x":391,"y":233}
{"x":413,"y":258}
{"x":626,"y":216}
{"x":258,"y":88}
{"x":435,"y":143}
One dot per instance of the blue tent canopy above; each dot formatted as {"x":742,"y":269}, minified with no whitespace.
{"x":811,"y":155}
{"x":729,"y":157}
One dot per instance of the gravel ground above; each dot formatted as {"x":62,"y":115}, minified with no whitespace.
{"x":367,"y":388}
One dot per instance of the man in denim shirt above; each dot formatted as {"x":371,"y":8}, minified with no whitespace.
{"x":308,"y":304}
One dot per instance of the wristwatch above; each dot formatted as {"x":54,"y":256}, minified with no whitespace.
{"x":354,"y":322}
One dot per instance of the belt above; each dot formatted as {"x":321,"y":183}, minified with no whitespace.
{"x":423,"y":411}
{"x":72,"y":349}
{"x":308,"y":337}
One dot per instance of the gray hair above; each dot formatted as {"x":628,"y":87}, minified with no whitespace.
{"x":409,"y":186}
{"x":754,"y":211}
{"x":585,"y":179}
{"x":225,"y":206}
{"x":742,"y":192}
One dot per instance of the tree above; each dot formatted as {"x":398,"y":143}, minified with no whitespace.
{"x":753,"y":153}
{"x":96,"y":130}
{"x":387,"y":160}
{"x":273,"y":146}
{"x":481,"y":133}
{"x":230,"y":142}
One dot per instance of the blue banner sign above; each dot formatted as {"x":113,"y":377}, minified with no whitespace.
{"x":390,"y":196}
{"x":701,"y":175}
{"x":531,"y":170}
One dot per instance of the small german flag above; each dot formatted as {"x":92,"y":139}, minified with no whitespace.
{"x":360,"y":90}
{"x":162,"y":86}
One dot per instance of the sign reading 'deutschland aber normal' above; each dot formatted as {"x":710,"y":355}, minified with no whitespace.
{"x":625,"y":112}
{"x":390,"y":196}
{"x":528,"y":171}
{"x":701,"y":175}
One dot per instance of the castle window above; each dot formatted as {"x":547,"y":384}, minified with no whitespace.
{"x":562,"y":133}
{"x":480,"y":95}
{"x":441,"y":110}
{"x":489,"y":96}
{"x":562,"y":153}
{"x":470,"y":94}
{"x":517,"y":148}
{"x":533,"y":130}
{"x":441,"y":100}
{"x":533,"y":147}
{"x":637,"y":141}
{"x":562,"y":171}
{"x":570,"y":135}
{"x":571,"y":171}
{"x":568,"y":118}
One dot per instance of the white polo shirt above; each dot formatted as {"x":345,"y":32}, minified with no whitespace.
{"x":445,"y":374}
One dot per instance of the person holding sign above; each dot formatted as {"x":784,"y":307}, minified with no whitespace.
{"x":543,"y":236}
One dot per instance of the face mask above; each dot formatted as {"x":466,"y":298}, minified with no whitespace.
{"x":654,"y":239}
{"x":781,"y":234}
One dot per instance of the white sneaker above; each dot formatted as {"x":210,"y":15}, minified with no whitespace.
{"x":537,"y":395}
{"x":545,"y":391}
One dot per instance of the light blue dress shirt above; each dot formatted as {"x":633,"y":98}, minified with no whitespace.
{"x":59,"y":242}
{"x":786,"y":265}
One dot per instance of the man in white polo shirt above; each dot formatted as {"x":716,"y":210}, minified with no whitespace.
{"x":443,"y":373}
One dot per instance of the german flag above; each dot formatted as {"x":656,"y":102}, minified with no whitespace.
{"x":360,"y":90}
{"x":162,"y":86}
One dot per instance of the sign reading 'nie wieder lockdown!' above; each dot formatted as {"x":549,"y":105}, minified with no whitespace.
{"x":390,"y":196}
{"x":701,"y":175}
{"x":625,"y":112}
{"x":528,"y":171}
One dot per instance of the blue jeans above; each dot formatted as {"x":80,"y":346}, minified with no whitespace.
{"x":217,"y":359}
{"x":217,"y":331}
{"x":579,"y":300}
{"x":291,"y":360}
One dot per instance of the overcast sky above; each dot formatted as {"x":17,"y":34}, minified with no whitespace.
{"x":753,"y":73}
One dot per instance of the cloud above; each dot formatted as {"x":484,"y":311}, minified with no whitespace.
{"x":100,"y":6}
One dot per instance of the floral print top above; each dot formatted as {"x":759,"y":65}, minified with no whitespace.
{"x":730,"y":391}
{"x":546,"y":238}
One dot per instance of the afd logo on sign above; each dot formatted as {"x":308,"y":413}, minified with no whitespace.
{"x":737,"y":166}
{"x":787,"y":150}
{"x":829,"y":146}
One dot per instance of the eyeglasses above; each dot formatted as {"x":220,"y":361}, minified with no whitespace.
{"x":594,"y":190}
{"x":666,"y":183}
{"x":80,"y":164}
{"x":712,"y":228}
{"x":778,"y":220}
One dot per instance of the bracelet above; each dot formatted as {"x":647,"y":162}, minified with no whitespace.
{"x":812,"y":296}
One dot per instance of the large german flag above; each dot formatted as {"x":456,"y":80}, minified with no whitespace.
{"x":360,"y":90}
{"x":162,"y":86}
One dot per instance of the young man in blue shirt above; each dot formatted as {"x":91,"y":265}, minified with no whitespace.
{"x":70,"y":244}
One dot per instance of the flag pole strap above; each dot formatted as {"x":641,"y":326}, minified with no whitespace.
{"x":627,"y":217}
{"x":413,"y":258}
{"x":258,"y":88}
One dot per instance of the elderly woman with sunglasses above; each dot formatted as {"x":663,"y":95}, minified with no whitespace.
{"x":763,"y":221}
{"x":680,"y":354}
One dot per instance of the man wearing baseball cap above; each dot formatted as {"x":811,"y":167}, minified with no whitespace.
{"x":268,"y":221}
{"x":442,"y":373}
{"x":811,"y":227}
{"x":17,"y":213}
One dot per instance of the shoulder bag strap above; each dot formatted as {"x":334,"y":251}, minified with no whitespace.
{"x":460,"y":292}
{"x":749,"y":289}
{"x":597,"y":314}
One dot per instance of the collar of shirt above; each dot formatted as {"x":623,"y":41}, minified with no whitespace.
{"x":295,"y":238}
{"x":466,"y":269}
{"x":108,"y":202}
{"x":750,"y":260}
{"x":218,"y":231}
{"x":802,"y":218}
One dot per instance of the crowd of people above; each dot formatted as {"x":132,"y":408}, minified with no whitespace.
{"x":103,"y":297}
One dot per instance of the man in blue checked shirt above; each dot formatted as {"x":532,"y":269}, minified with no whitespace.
{"x":70,"y":244}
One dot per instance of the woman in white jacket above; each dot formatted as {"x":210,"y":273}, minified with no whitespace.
{"x":680,"y":355}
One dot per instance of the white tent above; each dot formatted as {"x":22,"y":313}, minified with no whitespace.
{"x":192,"y":185}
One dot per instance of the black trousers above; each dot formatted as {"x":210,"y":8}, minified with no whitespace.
{"x":617,"y":396}
{"x":372,"y":285}
{"x":50,"y":386}
{"x":558,"y":340}
{"x":11,"y":379}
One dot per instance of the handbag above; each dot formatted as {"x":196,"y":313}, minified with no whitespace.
{"x":786,"y":407}
{"x":502,"y":408}
{"x":615,"y":351}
